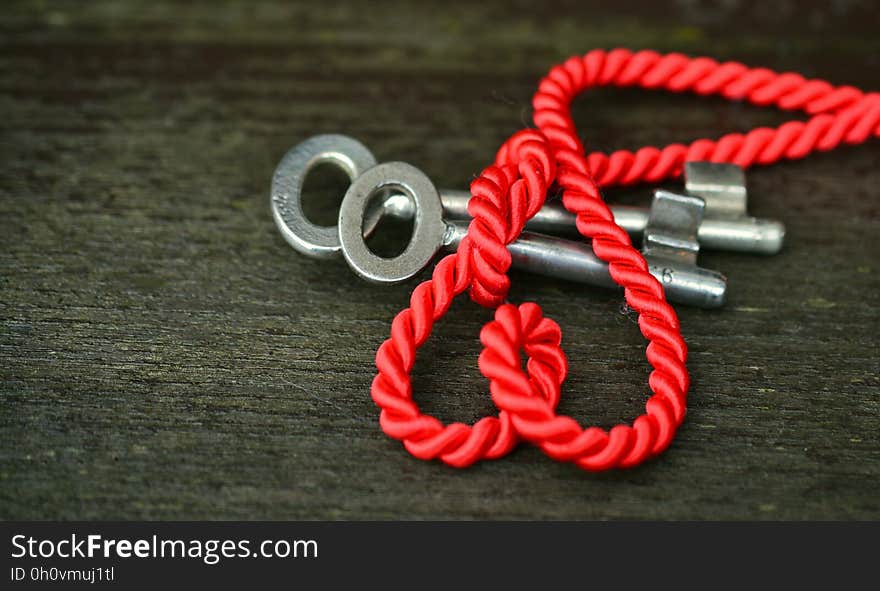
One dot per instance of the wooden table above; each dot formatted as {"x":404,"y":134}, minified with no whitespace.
{"x":165,"y":355}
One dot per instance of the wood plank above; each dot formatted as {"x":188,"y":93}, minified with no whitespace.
{"x":165,"y":355}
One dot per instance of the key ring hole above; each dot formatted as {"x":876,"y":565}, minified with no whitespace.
{"x":324,"y":184}
{"x":393,"y":233}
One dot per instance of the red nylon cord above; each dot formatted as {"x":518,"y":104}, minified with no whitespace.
{"x":511,"y":191}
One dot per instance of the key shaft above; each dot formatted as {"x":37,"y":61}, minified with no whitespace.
{"x":737,"y":234}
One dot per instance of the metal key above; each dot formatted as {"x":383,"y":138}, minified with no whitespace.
{"x":725,"y":225}
{"x":413,"y":194}
{"x":670,"y":248}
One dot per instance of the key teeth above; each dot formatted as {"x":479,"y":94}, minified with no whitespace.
{"x":721,"y":185}
{"x":673,"y":223}
{"x":670,"y":246}
{"x":698,"y":173}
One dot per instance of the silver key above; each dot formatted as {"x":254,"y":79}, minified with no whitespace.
{"x":671,"y":245}
{"x":726,"y":224}
{"x":413,"y":194}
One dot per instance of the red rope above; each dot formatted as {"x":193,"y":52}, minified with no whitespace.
{"x":511,"y":191}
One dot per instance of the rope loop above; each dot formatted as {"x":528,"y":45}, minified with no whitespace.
{"x":508,"y":193}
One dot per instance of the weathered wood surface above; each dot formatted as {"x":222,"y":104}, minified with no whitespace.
{"x":164,"y":354}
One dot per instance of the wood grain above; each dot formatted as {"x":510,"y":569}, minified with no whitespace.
{"x":165,"y":355}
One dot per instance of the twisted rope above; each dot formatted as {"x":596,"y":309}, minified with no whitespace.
{"x":507,"y":194}
{"x":840,"y":114}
